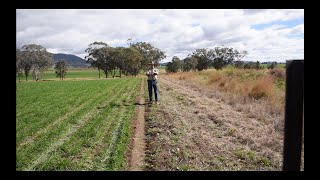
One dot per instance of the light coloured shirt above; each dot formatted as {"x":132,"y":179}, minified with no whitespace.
{"x":152,"y":74}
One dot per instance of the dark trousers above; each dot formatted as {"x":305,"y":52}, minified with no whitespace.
{"x":153,"y":84}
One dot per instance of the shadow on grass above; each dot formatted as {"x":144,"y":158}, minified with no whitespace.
{"x":49,"y":80}
{"x":140,"y":104}
{"x":117,"y":105}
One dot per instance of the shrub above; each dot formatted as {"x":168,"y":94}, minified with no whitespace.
{"x":261,"y":88}
{"x":278,"y":73}
{"x":215,"y":77}
{"x":229,"y":71}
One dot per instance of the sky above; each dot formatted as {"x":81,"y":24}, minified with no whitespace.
{"x":266,"y":34}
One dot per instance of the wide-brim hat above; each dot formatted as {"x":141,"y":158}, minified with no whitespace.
{"x":152,"y":63}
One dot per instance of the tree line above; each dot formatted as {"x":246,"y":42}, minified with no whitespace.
{"x":201,"y":59}
{"x":253,"y":65}
{"x":218,"y":58}
{"x":126,"y":60}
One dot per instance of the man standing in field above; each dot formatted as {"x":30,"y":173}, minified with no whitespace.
{"x":152,"y":74}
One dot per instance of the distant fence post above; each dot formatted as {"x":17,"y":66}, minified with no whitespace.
{"x":293,"y":115}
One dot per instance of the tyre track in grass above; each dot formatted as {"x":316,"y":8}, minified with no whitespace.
{"x":104,"y":162}
{"x":86,"y":98}
{"x":49,"y":126}
{"x":68,"y":134}
{"x":48,"y":104}
{"x":86,"y":156}
{"x":111,"y":120}
{"x":32,"y":150}
{"x":91,"y":159}
{"x":101,"y":162}
{"x":112,"y":100}
{"x":48,"y":107}
{"x":30,"y":139}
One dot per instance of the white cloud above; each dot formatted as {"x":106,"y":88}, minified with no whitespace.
{"x":177,"y":32}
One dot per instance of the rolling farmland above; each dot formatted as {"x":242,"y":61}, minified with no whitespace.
{"x":74,"y":125}
{"x":159,"y":90}
{"x":205,"y":121}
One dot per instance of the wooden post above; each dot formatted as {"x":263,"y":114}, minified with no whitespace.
{"x":293,"y":115}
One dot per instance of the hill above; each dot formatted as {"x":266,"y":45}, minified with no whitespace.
{"x":72,"y":60}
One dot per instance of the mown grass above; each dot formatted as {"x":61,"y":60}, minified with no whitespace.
{"x":74,"y":125}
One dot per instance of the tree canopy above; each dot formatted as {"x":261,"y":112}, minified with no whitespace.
{"x":33,"y":57}
{"x":61,"y":68}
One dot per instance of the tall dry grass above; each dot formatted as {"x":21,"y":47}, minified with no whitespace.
{"x":260,"y":93}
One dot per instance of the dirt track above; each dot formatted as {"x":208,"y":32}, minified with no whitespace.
{"x":193,"y":130}
{"x":136,"y":158}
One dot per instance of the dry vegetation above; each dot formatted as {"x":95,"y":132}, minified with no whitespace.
{"x":217,"y":120}
{"x":257,"y":92}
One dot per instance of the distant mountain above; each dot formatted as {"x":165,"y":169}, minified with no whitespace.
{"x":72,"y":60}
{"x":163,"y":64}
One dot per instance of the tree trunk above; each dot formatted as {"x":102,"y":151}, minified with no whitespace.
{"x":114,"y":72}
{"x":33,"y":75}
{"x":120,"y":72}
{"x":99,"y":72}
{"x":106,"y":71}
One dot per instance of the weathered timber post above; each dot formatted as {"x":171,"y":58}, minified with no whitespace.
{"x":293,"y":115}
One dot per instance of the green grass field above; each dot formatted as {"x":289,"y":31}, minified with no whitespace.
{"x":278,"y":65}
{"x":74,"y":125}
{"x":74,"y":74}
{"x":71,"y":74}
{"x":161,"y":67}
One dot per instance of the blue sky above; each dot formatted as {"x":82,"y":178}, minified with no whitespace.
{"x":267,"y":34}
{"x":287,"y":24}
